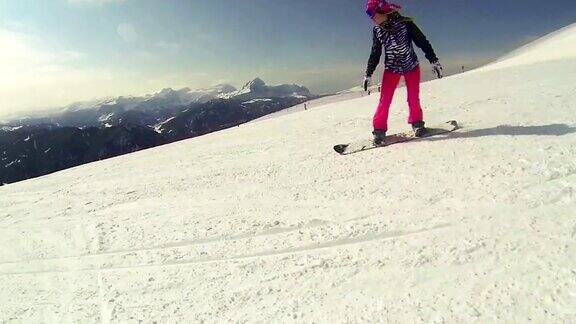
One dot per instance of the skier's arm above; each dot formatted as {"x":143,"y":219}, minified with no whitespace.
{"x":421,"y":41}
{"x":374,"y":55}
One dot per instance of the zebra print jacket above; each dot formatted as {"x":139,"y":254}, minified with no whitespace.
{"x":396,"y":37}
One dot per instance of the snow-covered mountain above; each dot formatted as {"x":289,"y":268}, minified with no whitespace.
{"x":156,"y":107}
{"x":265,"y":223}
{"x":182,"y":96}
{"x":257,"y":89}
{"x":153,"y":111}
{"x":85,"y":132}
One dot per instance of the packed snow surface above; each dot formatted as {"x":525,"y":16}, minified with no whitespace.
{"x":265,"y":223}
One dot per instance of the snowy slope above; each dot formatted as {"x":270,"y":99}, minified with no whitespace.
{"x":556,"y":46}
{"x":265,"y":223}
{"x":311,"y":104}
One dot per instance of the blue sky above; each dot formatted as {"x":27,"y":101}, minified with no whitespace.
{"x":58,"y":51}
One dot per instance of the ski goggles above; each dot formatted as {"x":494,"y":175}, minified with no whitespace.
{"x":385,"y":9}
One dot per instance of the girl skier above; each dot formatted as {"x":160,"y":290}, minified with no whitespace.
{"x":396,"y":34}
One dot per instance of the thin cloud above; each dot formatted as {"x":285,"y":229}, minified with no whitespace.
{"x":127,"y":32}
{"x":170,"y":48}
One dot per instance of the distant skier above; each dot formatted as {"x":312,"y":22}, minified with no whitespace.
{"x":396,"y":34}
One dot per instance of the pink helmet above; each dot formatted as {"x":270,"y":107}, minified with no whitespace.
{"x":380,"y":6}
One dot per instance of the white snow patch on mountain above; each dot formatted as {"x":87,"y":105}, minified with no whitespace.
{"x":257,"y":100}
{"x":11,"y":163}
{"x":158,"y":127}
{"x":10,"y":128}
{"x":106,"y":117}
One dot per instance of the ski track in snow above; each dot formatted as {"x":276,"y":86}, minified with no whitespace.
{"x":265,"y":223}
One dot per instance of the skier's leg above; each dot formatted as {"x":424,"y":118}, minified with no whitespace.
{"x":389,"y":83}
{"x":413,"y":88}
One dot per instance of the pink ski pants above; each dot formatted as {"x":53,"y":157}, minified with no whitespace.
{"x":389,"y":83}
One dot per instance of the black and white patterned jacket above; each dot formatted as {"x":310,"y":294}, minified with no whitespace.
{"x":396,"y":37}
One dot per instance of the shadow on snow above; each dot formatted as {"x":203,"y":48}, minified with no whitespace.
{"x":508,"y":130}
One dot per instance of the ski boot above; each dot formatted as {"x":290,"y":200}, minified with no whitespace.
{"x":419,"y":129}
{"x":379,"y":137}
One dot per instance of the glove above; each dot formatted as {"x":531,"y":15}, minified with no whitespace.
{"x":367,"y":83}
{"x":437,"y":67}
